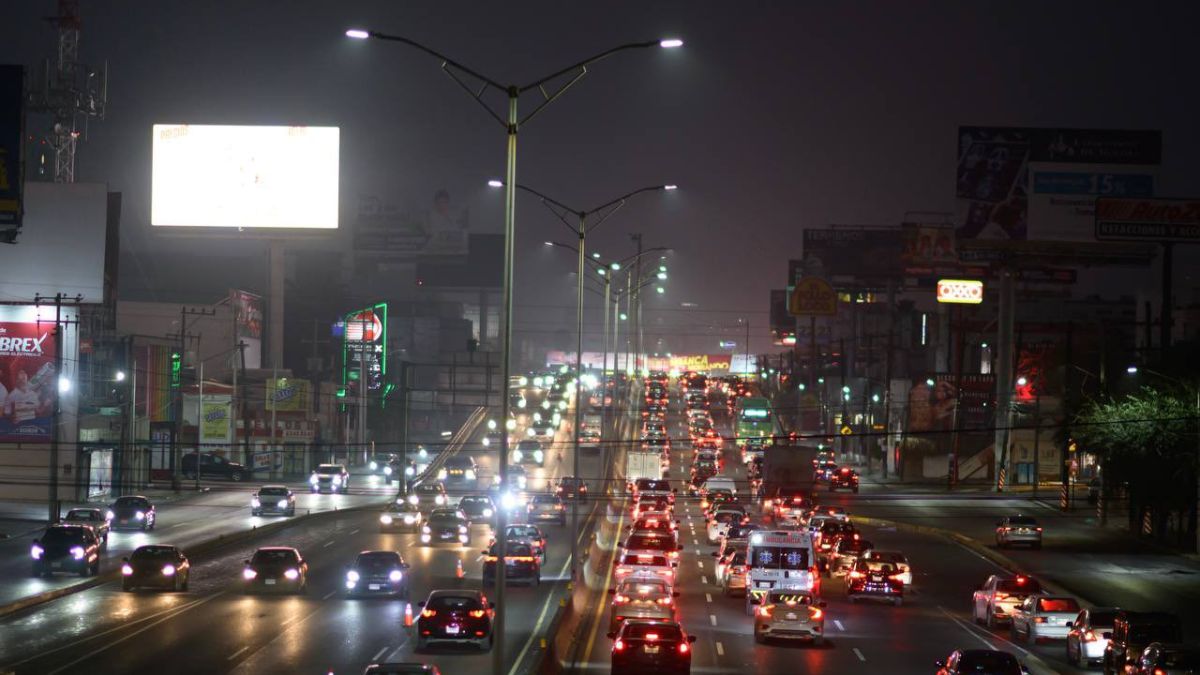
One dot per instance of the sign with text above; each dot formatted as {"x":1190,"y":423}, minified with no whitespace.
{"x":1148,"y":219}
{"x":287,"y":394}
{"x":960,"y":291}
{"x":813,"y":296}
{"x":28,"y":381}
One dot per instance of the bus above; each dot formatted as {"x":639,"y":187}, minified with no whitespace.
{"x":754,"y":426}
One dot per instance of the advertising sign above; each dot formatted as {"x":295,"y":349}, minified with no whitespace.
{"x":960,"y":291}
{"x":1042,"y":184}
{"x":244,"y":176}
{"x":363,"y":348}
{"x":27,"y":381}
{"x":62,"y":244}
{"x":12,"y":133}
{"x":215,"y":421}
{"x":931,"y":407}
{"x":862,"y":252}
{"x":928,"y":245}
{"x":287,"y":394}
{"x":386,"y":232}
{"x":248,"y":324}
{"x":1148,"y":219}
{"x":812,"y":296}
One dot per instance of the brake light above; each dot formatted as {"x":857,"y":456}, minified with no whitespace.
{"x":1159,"y":671}
{"x":816,"y":614}
{"x":619,"y":645}
{"x":1089,"y":636}
{"x":766,"y":610}
{"x":428,"y":613}
{"x":1021,"y":581}
{"x":899,"y":578}
{"x":1039,"y":529}
{"x":1001,"y":596}
{"x":620,"y":598}
{"x":491,"y":558}
{"x":664,"y":601}
{"x":856,"y":574}
{"x":622,"y":570}
{"x":683,"y":647}
{"x":477,"y":613}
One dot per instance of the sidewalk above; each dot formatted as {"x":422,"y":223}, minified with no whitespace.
{"x":18,"y":518}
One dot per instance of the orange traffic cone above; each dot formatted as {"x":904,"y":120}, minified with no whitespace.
{"x":408,"y":615}
{"x":458,"y":570}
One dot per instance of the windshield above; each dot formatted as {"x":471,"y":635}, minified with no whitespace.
{"x":526,"y":531}
{"x":84,"y":514}
{"x":1011,"y":586}
{"x":434,"y":489}
{"x":453,"y":603}
{"x":131,"y":503}
{"x":273,"y":492}
{"x":62,"y":535}
{"x":273,"y":557}
{"x":773,"y":557}
{"x":377,"y":561}
{"x":458,"y":462}
{"x":1098,"y":619}
{"x":330,"y":468}
{"x":444,"y":516}
{"x":475,"y":503}
{"x":643,"y":559}
{"x":153,"y":553}
{"x":1058,"y":605}
{"x":527,"y":446}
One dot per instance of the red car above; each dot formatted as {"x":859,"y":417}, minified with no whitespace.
{"x":651,"y":647}
{"x":455,"y":617}
{"x":844,"y":478}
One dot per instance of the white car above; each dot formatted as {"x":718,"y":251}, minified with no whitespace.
{"x":645,"y":563}
{"x":721,"y":521}
{"x":994,"y":601}
{"x":1042,"y":617}
{"x":834,"y":512}
{"x":897,"y":559}
{"x":1087,"y":639}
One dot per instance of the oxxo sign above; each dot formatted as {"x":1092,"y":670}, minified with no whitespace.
{"x":960,"y":291}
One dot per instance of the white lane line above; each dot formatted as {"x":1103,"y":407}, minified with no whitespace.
{"x":354,"y":531}
{"x":695,"y":541}
{"x":703,"y":579}
{"x":966,"y":628}
{"x":236,"y":654}
{"x":712,"y":618}
{"x":327,"y":544}
{"x":697,"y":551}
{"x":700,"y":564}
{"x":177,"y":525}
{"x":720,"y":649}
{"x":708,"y":597}
{"x":379,"y":654}
{"x":329,"y":595}
{"x":860,"y":655}
{"x":541,"y":618}
{"x":839,"y":625}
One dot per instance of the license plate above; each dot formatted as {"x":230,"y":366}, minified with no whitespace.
{"x":55,"y":565}
{"x":763,"y":584}
{"x":373,"y":587}
{"x":790,"y":616}
{"x":452,"y":630}
{"x":651,"y":649}
{"x":269,"y":582}
{"x":876,"y":577}
{"x":124,"y":521}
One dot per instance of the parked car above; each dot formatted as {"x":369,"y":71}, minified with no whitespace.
{"x":214,"y":466}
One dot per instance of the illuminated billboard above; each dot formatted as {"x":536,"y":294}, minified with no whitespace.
{"x":363,"y":349}
{"x":244,"y":177}
{"x":960,"y":291}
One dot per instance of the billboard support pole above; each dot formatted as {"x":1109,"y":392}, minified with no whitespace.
{"x":952,"y":475}
{"x":1004,"y":375}
{"x":275,"y":261}
{"x":199,"y":421}
{"x":58,"y":341}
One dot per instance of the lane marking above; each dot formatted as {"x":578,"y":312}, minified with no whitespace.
{"x":720,"y":649}
{"x":703,"y":579}
{"x":177,"y":525}
{"x":695,"y":542}
{"x":967,"y":628}
{"x":699,"y":563}
{"x":354,"y":531}
{"x":708,"y":597}
{"x":236,"y":654}
{"x":587,"y":653}
{"x":712,"y":618}
{"x":330,"y":543}
{"x":860,"y":655}
{"x":379,"y":653}
{"x":839,"y":625}
{"x":330,"y":594}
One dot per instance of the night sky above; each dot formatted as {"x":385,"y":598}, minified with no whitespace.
{"x":774,"y":117}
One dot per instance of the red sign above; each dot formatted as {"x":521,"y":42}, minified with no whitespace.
{"x":364,"y":326}
{"x":27,"y":381}
{"x":960,"y":291}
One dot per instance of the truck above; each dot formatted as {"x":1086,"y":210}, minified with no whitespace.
{"x":642,"y":463}
{"x":788,"y":466}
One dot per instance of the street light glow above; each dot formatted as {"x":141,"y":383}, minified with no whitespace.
{"x":548,"y":243}
{"x":1132,"y":370}
{"x":64,"y":385}
{"x":495,"y":183}
{"x":662,"y":276}
{"x":671,"y":186}
{"x":661,"y":290}
{"x":670,"y":43}
{"x":357,"y":34}
{"x":120,"y":376}
{"x":624,"y":316}
{"x":600,"y":271}
{"x":615,"y":266}
{"x":596,"y":256}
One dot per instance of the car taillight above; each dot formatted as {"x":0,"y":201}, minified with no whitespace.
{"x":619,"y":645}
{"x":815,"y":614}
{"x":856,"y":574}
{"x":683,"y":647}
{"x":897,"y":577}
{"x":1001,"y":596}
{"x":1089,"y":636}
{"x":477,"y":613}
{"x":622,"y":570}
{"x":1159,"y":671}
{"x":1039,"y":619}
{"x":766,"y":610}
{"x":1039,"y":529}
{"x":620,"y":598}
{"x":428,"y":613}
{"x":664,"y":601}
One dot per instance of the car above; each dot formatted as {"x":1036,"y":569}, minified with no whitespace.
{"x":1043,"y":616}
{"x":66,"y":548}
{"x":828,"y":534}
{"x":642,"y":564}
{"x":275,"y":568}
{"x":874,"y":580}
{"x":402,"y":669}
{"x":401,"y":516}
{"x":479,"y":509}
{"x":386,"y":465}
{"x":701,"y":471}
{"x":540,"y":428}
{"x":1013,"y":530}
{"x":1134,"y":631}
{"x":1088,"y":635}
{"x":446,"y":526}
{"x":521,"y":563}
{"x":722,"y":519}
{"x":460,"y":471}
{"x":716,"y":498}
{"x":213,"y":466}
{"x":897,"y":559}
{"x":517,"y":477}
{"x":156,"y":566}
{"x":787,"y":503}
{"x":641,"y":598}
{"x":546,"y":507}
{"x":647,"y":646}
{"x":652,"y":542}
{"x":589,"y":439}
{"x":718,"y":483}
{"x":378,"y":573}
{"x":844,"y":478}
{"x":834,"y":512}
{"x":734,"y":576}
{"x":979,"y":662}
{"x":329,"y":478}
{"x":1161,"y":658}
{"x":93,"y":518}
{"x":651,"y":504}
{"x":993,"y":602}
{"x":846,"y":552}
{"x":455,"y":617}
{"x":132,"y":511}
{"x":428,"y":496}
{"x":528,"y":452}
{"x":653,"y":487}
{"x":527,"y":534}
{"x":661,"y":525}
{"x":571,"y":487}
{"x":790,"y":615}
{"x":824,"y":472}
{"x":273,"y":499}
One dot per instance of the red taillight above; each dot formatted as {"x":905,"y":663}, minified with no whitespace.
{"x":427,"y":613}
{"x":619,"y":645}
{"x":683,"y":647}
{"x":816,"y":614}
{"x":1159,"y":671}
{"x":620,"y":598}
{"x":1039,"y":619}
{"x":1001,"y":596}
{"x":651,"y":636}
{"x":664,"y":601}
{"x":1039,"y":529}
{"x":477,"y":613}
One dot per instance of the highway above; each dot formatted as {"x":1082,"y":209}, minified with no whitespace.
{"x":214,"y":628}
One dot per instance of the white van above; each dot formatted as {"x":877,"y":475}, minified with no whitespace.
{"x":779,"y":559}
{"x":718,"y":483}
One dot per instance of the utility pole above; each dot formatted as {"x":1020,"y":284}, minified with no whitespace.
{"x":958,"y":366}
{"x":58,"y":362}
{"x":177,"y":404}
{"x":637,"y":291}
{"x":1064,"y":471}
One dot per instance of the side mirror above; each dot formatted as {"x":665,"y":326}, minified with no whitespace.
{"x":691,"y":638}
{"x":611,"y":636}
{"x":1107,"y":635}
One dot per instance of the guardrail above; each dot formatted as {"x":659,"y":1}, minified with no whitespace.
{"x":455,"y":444}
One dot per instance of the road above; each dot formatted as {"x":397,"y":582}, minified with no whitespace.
{"x":214,"y":628}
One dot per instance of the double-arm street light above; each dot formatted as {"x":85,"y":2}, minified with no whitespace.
{"x":476,"y":85}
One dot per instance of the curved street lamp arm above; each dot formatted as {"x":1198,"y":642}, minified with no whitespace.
{"x":581,"y":66}
{"x":446,"y":60}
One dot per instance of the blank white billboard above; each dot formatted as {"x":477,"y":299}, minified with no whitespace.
{"x":62,"y":244}
{"x":244,"y":176}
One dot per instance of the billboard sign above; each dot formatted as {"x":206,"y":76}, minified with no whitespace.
{"x":928,"y":245}
{"x":287,"y":394}
{"x":244,"y":176}
{"x":28,"y":381}
{"x":812,"y":296}
{"x":960,"y":291}
{"x":1148,"y":219}
{"x":216,"y":413}
{"x":248,"y":324}
{"x":62,"y":245}
{"x":861,"y":252}
{"x":364,"y":353}
{"x":12,"y":133}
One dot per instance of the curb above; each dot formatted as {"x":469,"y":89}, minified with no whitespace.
{"x":200,"y":548}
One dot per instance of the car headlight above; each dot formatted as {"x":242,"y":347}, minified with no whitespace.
{"x":168,"y":570}
{"x":545,"y":405}
{"x":462,"y":529}
{"x":425,"y":529}
{"x":140,"y":515}
{"x":487,"y":442}
{"x":442,"y":474}
{"x":539,"y":456}
{"x":282,"y":503}
{"x":530,"y":432}
{"x":518,"y":455}
{"x":409,"y":520}
{"x":127,"y":569}
{"x":255,"y":503}
{"x":313,"y":479}
{"x":439,"y":500}
{"x":521,"y":403}
{"x":292,"y":573}
{"x":249,"y":574}
{"x":78,"y":552}
{"x":36,"y":551}
{"x":469,"y":474}
{"x":352,"y":575}
{"x":350,"y":584}
{"x":337,"y":480}
{"x":395,"y":576}
{"x":412,"y":499}
{"x":385,"y":519}
{"x":463,"y":538}
{"x":487,"y":513}
{"x":109,"y":515}
{"x":410,"y":471}
{"x":387,"y":470}
{"x":426,"y":538}
{"x":373,"y":466}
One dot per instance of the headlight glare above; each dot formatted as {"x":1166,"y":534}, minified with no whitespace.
{"x":168,"y":570}
{"x":395,"y":575}
{"x":282,"y":503}
{"x":127,"y":569}
{"x":140,"y":515}
{"x":352,"y":575}
{"x":36,"y":551}
{"x":292,"y":574}
{"x":249,"y":574}
{"x":77,"y":552}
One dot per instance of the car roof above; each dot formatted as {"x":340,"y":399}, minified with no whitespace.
{"x":273,"y":487}
{"x":277,"y":548}
{"x":455,"y":593}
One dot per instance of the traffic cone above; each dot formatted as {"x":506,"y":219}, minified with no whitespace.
{"x":408,"y":615}
{"x":458,"y":570}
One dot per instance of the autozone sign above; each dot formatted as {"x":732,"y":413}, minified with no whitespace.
{"x":960,"y":291}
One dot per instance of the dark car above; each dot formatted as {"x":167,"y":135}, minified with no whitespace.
{"x":214,"y":466}
{"x":93,"y":518}
{"x":156,"y":566}
{"x":521,"y":564}
{"x":571,"y":487}
{"x":329,"y":478}
{"x":825,"y":471}
{"x":446,"y":526}
{"x":134,"y":512}
{"x":378,"y":573}
{"x":402,"y":669}
{"x":546,"y":507}
{"x":66,"y":548}
{"x":478,"y":509}
{"x":459,"y":471}
{"x":844,"y":478}
{"x":1133,"y":632}
{"x":273,"y":499}
{"x":1169,"y":659}
{"x":651,"y":647}
{"x":876,"y":580}
{"x":387,"y":465}
{"x":275,"y":568}
{"x":401,"y":516}
{"x":455,"y":617}
{"x":528,"y":534}
{"x":980,"y":662}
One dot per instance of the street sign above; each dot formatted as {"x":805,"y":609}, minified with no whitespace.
{"x":960,"y":291}
{"x":846,"y":430}
{"x":813,"y":296}
{"x":1148,"y":219}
